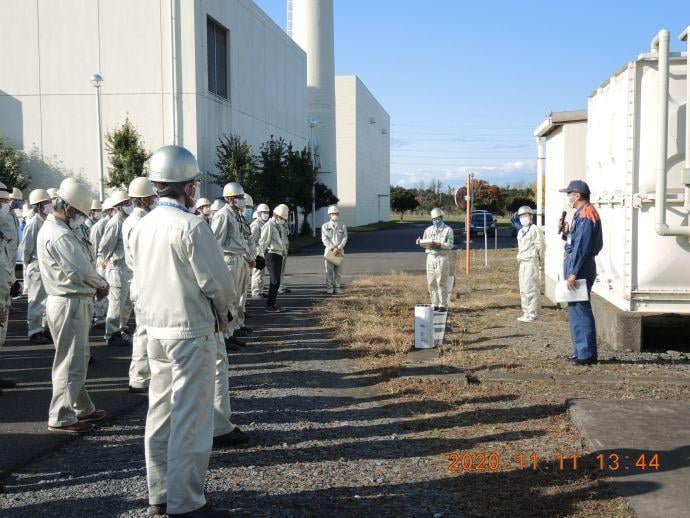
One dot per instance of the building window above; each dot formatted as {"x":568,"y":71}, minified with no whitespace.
{"x":217,"y":44}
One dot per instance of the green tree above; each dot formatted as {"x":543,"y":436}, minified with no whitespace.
{"x":272,"y":187}
{"x":236,"y":162}
{"x":12,"y":165}
{"x":403,"y":200}
{"x":126,"y":154}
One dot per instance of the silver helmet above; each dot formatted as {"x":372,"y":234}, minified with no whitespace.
{"x":173,"y":164}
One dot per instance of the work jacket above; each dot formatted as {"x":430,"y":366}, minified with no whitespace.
{"x":256,"y":227}
{"x":583,"y":243}
{"x":182,"y":281}
{"x":227,"y":227}
{"x":333,"y":234}
{"x":29,"y":240}
{"x":135,"y":217}
{"x":111,"y":249}
{"x":273,"y":238}
{"x":443,"y":235}
{"x":96,"y":234}
{"x":530,"y":244}
{"x":64,"y":262}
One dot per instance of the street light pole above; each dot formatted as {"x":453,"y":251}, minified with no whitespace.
{"x":96,"y":81}
{"x":312,"y":123}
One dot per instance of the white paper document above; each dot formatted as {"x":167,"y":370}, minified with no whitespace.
{"x":579,"y":294}
{"x":425,"y":243}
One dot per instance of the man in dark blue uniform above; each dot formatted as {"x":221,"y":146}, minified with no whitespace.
{"x":583,"y":243}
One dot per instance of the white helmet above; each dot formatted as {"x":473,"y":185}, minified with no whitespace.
{"x":141,"y":187}
{"x":4,"y":195}
{"x":436,"y":213}
{"x":232,"y":189}
{"x":52,"y":192}
{"x":201,"y":202}
{"x":333,"y":209}
{"x":217,"y":204}
{"x":118,"y":197}
{"x":37,"y":196}
{"x":262,"y":207}
{"x":282,"y":210}
{"x":96,"y":205}
{"x":16,"y":194}
{"x":107,"y":204}
{"x":249,"y":201}
{"x":525,"y":209}
{"x":173,"y":164}
{"x":76,"y":195}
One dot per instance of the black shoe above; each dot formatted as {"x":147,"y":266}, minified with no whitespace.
{"x":244,"y":331}
{"x":572,"y":358}
{"x":589,"y":361}
{"x":237,"y":341}
{"x":92,"y":360}
{"x":441,"y":309}
{"x":38,"y":339}
{"x":231,"y":347}
{"x":230,"y":439}
{"x":264,"y":295}
{"x":46,"y":333}
{"x":7,"y":384}
{"x":139,"y":390}
{"x":156,"y":509}
{"x":208,"y":511}
{"x":120,"y":340}
{"x":435,"y":308}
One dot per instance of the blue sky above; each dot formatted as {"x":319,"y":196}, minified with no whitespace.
{"x":466,"y":83}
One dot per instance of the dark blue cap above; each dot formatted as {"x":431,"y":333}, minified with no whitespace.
{"x":577,"y":186}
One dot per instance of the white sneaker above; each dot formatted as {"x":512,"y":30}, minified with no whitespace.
{"x":338,"y":290}
{"x":533,"y":317}
{"x":329,"y":291}
{"x":523,"y":318}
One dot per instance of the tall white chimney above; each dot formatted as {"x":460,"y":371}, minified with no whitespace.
{"x":310,"y":24}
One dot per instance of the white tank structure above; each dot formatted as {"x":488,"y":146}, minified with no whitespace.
{"x":638,"y":169}
{"x":310,"y":25}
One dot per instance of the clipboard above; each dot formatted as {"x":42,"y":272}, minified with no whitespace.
{"x":579,"y":294}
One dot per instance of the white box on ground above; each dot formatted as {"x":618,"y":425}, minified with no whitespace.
{"x":423,"y":326}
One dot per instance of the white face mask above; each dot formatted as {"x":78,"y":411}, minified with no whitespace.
{"x":265,"y":216}
{"x":240,"y":203}
{"x":48,"y":208}
{"x":97,"y":215}
{"x":525,"y":220}
{"x":5,"y":209}
{"x":127,"y":209}
{"x":334,"y":217}
{"x":76,"y":221}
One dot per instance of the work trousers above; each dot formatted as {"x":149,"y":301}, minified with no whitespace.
{"x":221,"y":396}
{"x":282,"y":286}
{"x":238,"y":269}
{"x":274,"y":263}
{"x":332,"y":276}
{"x":257,"y":281}
{"x":582,"y":327}
{"x":36,"y":294}
{"x":139,"y":371}
{"x":437,"y":269}
{"x":100,"y":307}
{"x":179,"y":423}
{"x":530,"y":287}
{"x":119,"y":303}
{"x":69,"y":320}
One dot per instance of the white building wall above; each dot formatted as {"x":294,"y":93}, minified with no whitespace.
{"x":565,"y":153}
{"x":363,"y":153}
{"x":48,"y":105}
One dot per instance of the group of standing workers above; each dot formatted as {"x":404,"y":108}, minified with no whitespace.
{"x":583,"y":241}
{"x":185,"y":267}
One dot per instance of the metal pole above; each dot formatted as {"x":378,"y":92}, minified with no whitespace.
{"x":100,"y":144}
{"x":313,"y":209}
{"x":486,"y":244}
{"x":468,"y":211}
{"x":496,"y":238}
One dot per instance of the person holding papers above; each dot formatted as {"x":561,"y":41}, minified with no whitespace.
{"x":438,"y":241}
{"x":583,"y":243}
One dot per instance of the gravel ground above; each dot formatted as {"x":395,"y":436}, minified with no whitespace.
{"x":325,"y":438}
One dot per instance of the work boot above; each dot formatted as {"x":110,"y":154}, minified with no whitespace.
{"x":231,"y":439}
{"x":156,"y":509}
{"x":7,"y":384}
{"x":73,"y":428}
{"x":39,"y":339}
{"x":93,"y":417}
{"x":207,"y":511}
{"x":120,"y":340}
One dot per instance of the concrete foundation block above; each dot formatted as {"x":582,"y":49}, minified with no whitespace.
{"x":619,"y":329}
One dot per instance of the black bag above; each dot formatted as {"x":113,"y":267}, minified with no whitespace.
{"x":16,"y":289}
{"x":260,"y":262}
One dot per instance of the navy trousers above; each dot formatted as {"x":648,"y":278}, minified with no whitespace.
{"x":583,"y":331}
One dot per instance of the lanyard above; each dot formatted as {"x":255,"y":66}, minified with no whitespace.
{"x":172,"y":204}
